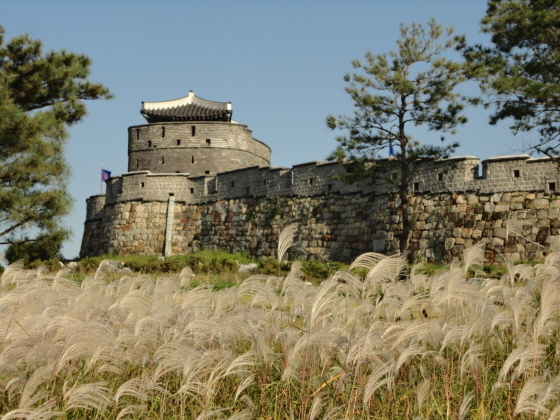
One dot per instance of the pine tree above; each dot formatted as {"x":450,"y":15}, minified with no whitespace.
{"x":412,"y":86}
{"x":520,"y":73}
{"x":40,"y":96}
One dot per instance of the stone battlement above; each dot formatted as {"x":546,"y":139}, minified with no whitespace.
{"x":453,"y":175}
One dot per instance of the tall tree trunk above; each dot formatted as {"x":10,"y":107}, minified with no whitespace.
{"x":406,"y":225}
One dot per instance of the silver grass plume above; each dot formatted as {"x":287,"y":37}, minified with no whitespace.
{"x":529,"y":401}
{"x":44,"y":412}
{"x":135,"y":388}
{"x":515,"y":302}
{"x":554,"y":413}
{"x":471,"y":361}
{"x":243,"y":385}
{"x":286,"y":240}
{"x":528,"y":356}
{"x":367,"y":260}
{"x":15,"y":275}
{"x":134,"y":410}
{"x":381,"y":375}
{"x":186,"y":276}
{"x":408,"y":353}
{"x":30,"y":395}
{"x":262,"y":292}
{"x":309,"y":346}
{"x":473,"y":256}
{"x":551,"y":392}
{"x":176,"y":357}
{"x":550,"y":304}
{"x":322,"y":302}
{"x":209,"y":414}
{"x":465,"y":405}
{"x":94,"y":395}
{"x":242,"y":415}
{"x":316,"y":407}
{"x":422,"y":392}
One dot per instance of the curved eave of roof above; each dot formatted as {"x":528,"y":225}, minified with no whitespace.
{"x":189,"y":112}
{"x":188,"y":108}
{"x":191,"y":98}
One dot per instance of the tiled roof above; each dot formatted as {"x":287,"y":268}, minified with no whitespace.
{"x":190,"y":112}
{"x":189,"y":108}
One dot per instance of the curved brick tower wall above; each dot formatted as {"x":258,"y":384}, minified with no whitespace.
{"x":196,"y":148}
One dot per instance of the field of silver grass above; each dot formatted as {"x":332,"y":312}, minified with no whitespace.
{"x":280,"y":348}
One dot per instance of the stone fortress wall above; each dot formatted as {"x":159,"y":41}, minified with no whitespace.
{"x":509,"y":202}
{"x":196,"y":179}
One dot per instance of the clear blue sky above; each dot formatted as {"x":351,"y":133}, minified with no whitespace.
{"x":280,"y":63}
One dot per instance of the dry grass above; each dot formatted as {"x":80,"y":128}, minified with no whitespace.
{"x":279,"y":348}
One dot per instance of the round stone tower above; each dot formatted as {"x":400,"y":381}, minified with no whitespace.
{"x":193,"y":136}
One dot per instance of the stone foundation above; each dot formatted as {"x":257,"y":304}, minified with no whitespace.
{"x":516,"y":225}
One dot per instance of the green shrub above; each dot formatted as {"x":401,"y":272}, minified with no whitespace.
{"x":320,"y":270}
{"x":489,"y":270}
{"x":52,"y":265}
{"x":207,"y":262}
{"x":431,"y":269}
{"x":270,"y":266}
{"x":223,"y":285}
{"x":89,"y":264}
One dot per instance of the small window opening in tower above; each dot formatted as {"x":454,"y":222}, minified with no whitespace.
{"x":149,"y":143}
{"x":193,"y":130}
{"x":310,"y":181}
{"x":178,"y":142}
{"x":142,"y":185}
{"x":416,"y":187}
{"x":177,"y":172}
{"x":137,"y":163}
{"x":163,"y":160}
{"x":247,"y":190}
{"x":329,"y":187}
{"x":137,"y":134}
{"x":208,"y":142}
{"x":192,"y":159}
{"x":171,"y":194}
{"x":232,"y":184}
{"x":162,"y":131}
{"x":552,"y":187}
{"x":206,"y":172}
{"x":440,"y":176}
{"x":192,"y":190}
{"x":264,"y":181}
{"x":516,"y":173}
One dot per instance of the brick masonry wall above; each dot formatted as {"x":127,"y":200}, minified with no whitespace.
{"x":196,"y":148}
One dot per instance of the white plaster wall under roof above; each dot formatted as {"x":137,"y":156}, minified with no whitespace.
{"x":187,"y":100}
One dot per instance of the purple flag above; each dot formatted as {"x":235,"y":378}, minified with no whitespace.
{"x":105,"y":175}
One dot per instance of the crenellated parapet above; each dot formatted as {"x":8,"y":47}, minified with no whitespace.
{"x":454,"y":175}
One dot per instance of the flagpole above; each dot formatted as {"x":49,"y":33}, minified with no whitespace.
{"x":101,"y":180}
